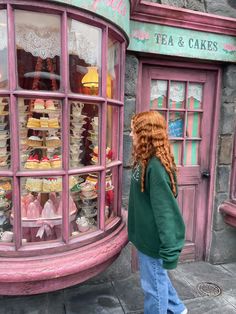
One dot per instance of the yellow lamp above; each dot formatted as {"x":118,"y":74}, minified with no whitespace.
{"x":91,"y":78}
{"x":109,"y":90}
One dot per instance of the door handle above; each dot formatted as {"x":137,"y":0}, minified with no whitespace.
{"x":206,"y":174}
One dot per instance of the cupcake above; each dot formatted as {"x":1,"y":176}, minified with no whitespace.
{"x":33,"y":123}
{"x":53,"y":123}
{"x":56,"y":162}
{"x":39,"y":104}
{"x":45,"y":163}
{"x":43,"y":122}
{"x":32,"y":162}
{"x":53,"y":141}
{"x":49,"y":105}
{"x":34,"y":141}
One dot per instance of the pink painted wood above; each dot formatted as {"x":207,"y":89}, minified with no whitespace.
{"x":195,"y":193}
{"x":145,"y":11}
{"x":229,"y":210}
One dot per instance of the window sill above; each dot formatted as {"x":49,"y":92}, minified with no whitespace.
{"x":228,"y":209}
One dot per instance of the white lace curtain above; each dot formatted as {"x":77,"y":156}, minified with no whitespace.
{"x":3,"y":30}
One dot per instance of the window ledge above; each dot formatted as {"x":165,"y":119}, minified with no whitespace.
{"x":228,"y":209}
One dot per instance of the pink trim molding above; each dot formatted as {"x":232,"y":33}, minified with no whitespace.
{"x":145,"y":11}
{"x":33,"y":275}
{"x":228,"y":209}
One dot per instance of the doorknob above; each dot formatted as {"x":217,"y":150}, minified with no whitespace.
{"x":206,"y":174}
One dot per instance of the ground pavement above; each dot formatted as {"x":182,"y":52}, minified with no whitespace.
{"x":205,"y":288}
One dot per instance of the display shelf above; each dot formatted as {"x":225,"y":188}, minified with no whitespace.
{"x":42,"y":129}
{"x":46,"y":111}
{"x":44,"y":147}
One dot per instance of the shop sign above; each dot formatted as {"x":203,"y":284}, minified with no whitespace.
{"x":146,"y":37}
{"x":117,"y":11}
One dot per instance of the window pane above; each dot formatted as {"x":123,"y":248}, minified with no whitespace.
{"x":38,"y":45}
{"x":195,"y":91}
{"x":158,"y":94}
{"x":6,"y":216}
{"x":112,"y":143}
{"x":191,"y":153}
{"x":193,"y":124}
{"x":84,"y":57}
{"x":111,"y":199}
{"x":85,"y":196}
{"x":84,"y":134}
{"x":176,"y":124}
{"x":41,"y":208}
{"x":177,"y":95}
{"x":5,"y":149}
{"x":3,"y":51}
{"x":40,"y":134}
{"x":176,"y":149}
{"x":113,"y":66}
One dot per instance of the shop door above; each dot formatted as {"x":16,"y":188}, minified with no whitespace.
{"x":186,"y":98}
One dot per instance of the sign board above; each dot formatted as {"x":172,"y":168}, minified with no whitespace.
{"x":116,"y":11}
{"x":166,"y":40}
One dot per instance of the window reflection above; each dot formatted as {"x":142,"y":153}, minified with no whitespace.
{"x":113,"y":64}
{"x":112,"y":142}
{"x":3,"y":50}
{"x":5,"y":148}
{"x":38,"y":45}
{"x":84,"y":57}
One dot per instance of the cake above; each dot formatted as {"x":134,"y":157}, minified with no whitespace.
{"x":53,"y":141}
{"x":39,"y":104}
{"x":44,"y":122}
{"x":45,"y":163}
{"x":95,"y":155}
{"x":50,"y":105}
{"x":34,"y":141}
{"x":56,"y":162}
{"x":33,"y":123}
{"x":32,"y":162}
{"x":53,"y":123}
{"x":33,"y":184}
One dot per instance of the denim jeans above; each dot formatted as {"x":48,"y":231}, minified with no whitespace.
{"x":160,"y":296}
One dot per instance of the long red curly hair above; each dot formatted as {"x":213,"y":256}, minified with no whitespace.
{"x":151,"y":139}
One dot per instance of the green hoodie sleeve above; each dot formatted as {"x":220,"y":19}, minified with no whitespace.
{"x":168,"y":218}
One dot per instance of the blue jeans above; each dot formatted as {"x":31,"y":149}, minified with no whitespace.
{"x":160,"y":296}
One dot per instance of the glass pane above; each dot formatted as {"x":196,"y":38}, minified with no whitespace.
{"x":112,"y":143}
{"x":158,"y":94}
{"x":3,"y":51}
{"x":191,"y":153}
{"x":5,"y":148}
{"x":195,"y":91}
{"x":6,"y":216}
{"x":38,"y":45}
{"x":84,"y":134}
{"x":84,"y":194}
{"x":84,"y":57}
{"x":176,"y":149}
{"x":113,"y":65}
{"x":176,"y":124}
{"x":111,"y":197}
{"x":40,"y":134}
{"x":177,"y":95}
{"x":193,"y":124}
{"x":41,"y":208}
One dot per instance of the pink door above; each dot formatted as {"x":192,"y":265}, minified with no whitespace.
{"x":187,"y":99}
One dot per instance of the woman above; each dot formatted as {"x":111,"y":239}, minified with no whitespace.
{"x":155,"y":224}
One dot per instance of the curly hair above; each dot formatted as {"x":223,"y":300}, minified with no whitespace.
{"x":151,"y":139}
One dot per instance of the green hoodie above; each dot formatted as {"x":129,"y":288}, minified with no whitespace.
{"x":155,"y":224}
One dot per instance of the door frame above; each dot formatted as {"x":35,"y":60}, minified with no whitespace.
{"x":216,"y":114}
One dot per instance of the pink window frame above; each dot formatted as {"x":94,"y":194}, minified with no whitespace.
{"x":64,"y":95}
{"x":233,"y":177}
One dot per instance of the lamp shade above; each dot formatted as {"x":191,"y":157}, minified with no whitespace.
{"x":91,"y":78}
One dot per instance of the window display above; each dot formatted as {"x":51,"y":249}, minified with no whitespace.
{"x":3,"y":50}
{"x":6,"y":228}
{"x":4,"y":134}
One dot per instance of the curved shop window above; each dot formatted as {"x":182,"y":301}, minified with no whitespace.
{"x":60,"y":135}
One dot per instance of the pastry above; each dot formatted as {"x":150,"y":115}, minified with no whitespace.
{"x":56,"y":162}
{"x":33,"y":123}
{"x":53,"y":123}
{"x":53,"y":141}
{"x":33,"y":184}
{"x":44,"y":122}
{"x":32,"y":162}
{"x":34,"y":141}
{"x":45,"y":163}
{"x":50,"y":105}
{"x":39,"y":104}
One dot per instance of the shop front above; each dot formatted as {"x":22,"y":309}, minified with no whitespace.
{"x":66,"y":101}
{"x":61,"y":117}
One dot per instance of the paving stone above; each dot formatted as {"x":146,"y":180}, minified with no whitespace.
{"x":88,"y":299}
{"x":231,"y":267}
{"x":230,"y":297}
{"x":210,"y":306}
{"x":130,"y":293}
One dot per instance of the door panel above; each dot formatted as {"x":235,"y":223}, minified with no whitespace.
{"x":185,"y":97}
